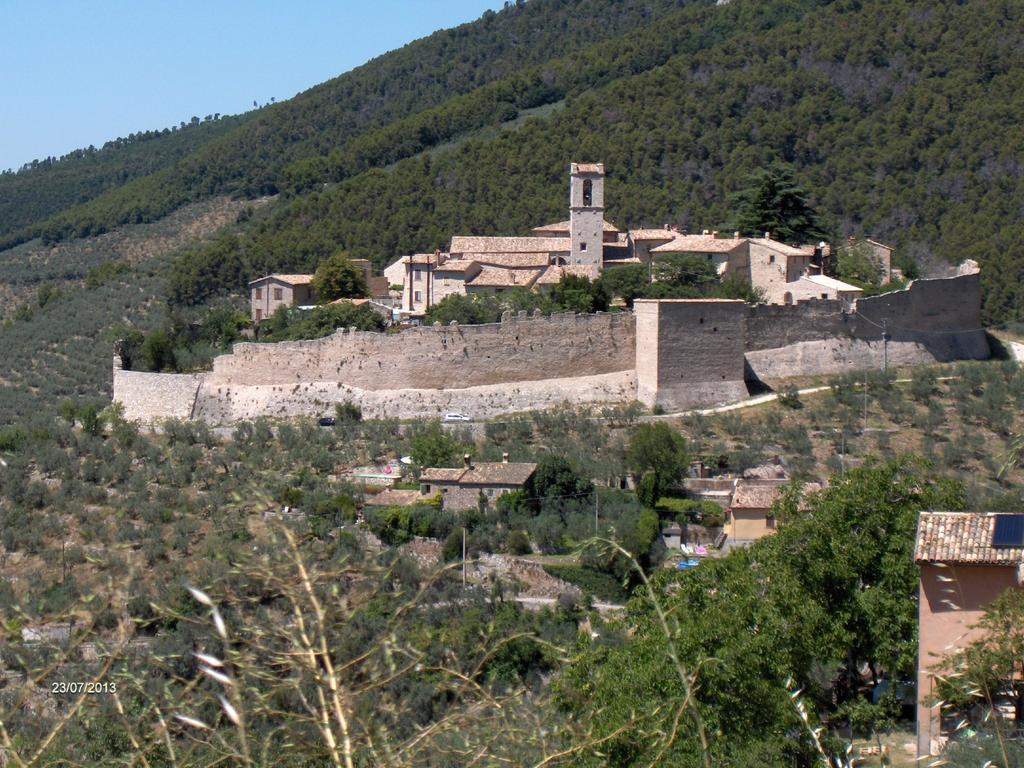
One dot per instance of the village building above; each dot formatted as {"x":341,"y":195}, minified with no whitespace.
{"x":267,"y":294}
{"x":586,"y":244}
{"x":463,"y":487}
{"x":749,"y":516}
{"x":966,"y":559}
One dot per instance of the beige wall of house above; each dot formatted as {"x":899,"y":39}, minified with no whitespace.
{"x":952,"y":600}
{"x":268,"y":294}
{"x":748,"y":524}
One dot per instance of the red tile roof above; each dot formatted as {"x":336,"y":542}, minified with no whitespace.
{"x":699,"y":244}
{"x":961,"y":537}
{"x":289,"y":279}
{"x":500,"y":277}
{"x":563,"y":226}
{"x":553,"y":275}
{"x":479,"y":245}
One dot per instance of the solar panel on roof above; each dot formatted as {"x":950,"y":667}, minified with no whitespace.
{"x":1009,"y":531}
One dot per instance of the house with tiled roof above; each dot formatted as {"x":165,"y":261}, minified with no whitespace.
{"x":749,"y":515}
{"x":966,"y":560}
{"x":267,"y":294}
{"x":463,"y":487}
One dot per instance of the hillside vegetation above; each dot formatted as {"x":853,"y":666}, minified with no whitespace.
{"x":899,"y":119}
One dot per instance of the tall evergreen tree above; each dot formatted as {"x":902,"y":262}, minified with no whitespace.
{"x":774,"y":202}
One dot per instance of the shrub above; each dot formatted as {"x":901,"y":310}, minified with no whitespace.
{"x":518,"y":543}
{"x":789,"y":397}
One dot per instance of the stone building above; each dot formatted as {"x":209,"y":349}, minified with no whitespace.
{"x":749,"y":515}
{"x":463,"y":487}
{"x":964,"y":565}
{"x":267,"y":294}
{"x":586,"y":244}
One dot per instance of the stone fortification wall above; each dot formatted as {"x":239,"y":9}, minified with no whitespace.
{"x":448,"y":357}
{"x":155,"y":396}
{"x":224,"y":404}
{"x":770,"y":326}
{"x":689,"y":352}
{"x":929,"y":321}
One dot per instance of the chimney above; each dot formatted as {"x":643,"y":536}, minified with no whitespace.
{"x":767,"y":235}
{"x":504,"y":458}
{"x":705,"y":232}
{"x":714,"y":234}
{"x":736,"y":234}
{"x":466,"y":461}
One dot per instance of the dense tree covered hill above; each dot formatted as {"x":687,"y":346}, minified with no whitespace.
{"x":902,"y":119}
{"x":45,"y":187}
{"x":422,"y":75}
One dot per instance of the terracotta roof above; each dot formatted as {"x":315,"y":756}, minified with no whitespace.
{"x":754,"y":494}
{"x":498,"y":473}
{"x":482,"y":473}
{"x":289,"y":279}
{"x":428,"y":258}
{"x":441,"y":475}
{"x":563,"y":226}
{"x":457,"y":265}
{"x":500,"y":277}
{"x":587,"y":168}
{"x":532,"y":259}
{"x":782,"y":248}
{"x":654,"y":234}
{"x":393,"y":498}
{"x":553,"y":275}
{"x":699,"y":244}
{"x":961,"y":537}
{"x":478,"y":245}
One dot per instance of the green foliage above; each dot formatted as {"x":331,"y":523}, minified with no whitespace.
{"x":628,"y":282}
{"x":836,"y":583}
{"x":600,"y":584}
{"x":773,"y":201}
{"x":649,"y":489}
{"x":348,"y":413}
{"x":431,"y":445}
{"x":105,"y":272}
{"x":338,"y":278}
{"x":555,"y":478}
{"x":292,"y":324}
{"x":657,"y":449}
{"x":789,"y":397}
{"x":518,"y":543}
{"x":578,"y":294}
{"x":857,"y":265}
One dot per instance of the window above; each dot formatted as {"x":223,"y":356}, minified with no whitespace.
{"x":259,"y":294}
{"x":278,"y":294}
{"x":417,"y":275}
{"x":771,"y":258}
{"x":583,"y":246}
{"x":824,"y":295}
{"x":259,"y":315}
{"x":588,"y":192}
{"x":418,"y":296}
{"x":710,"y":257}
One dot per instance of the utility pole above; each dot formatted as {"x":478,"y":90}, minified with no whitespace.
{"x":463,"y":558}
{"x":865,"y":429}
{"x":597,"y":506}
{"x":885,"y":343}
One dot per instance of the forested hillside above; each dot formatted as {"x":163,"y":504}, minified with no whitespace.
{"x":901,"y":120}
{"x":45,"y":187}
{"x":421,"y":75}
{"x":896,"y":116}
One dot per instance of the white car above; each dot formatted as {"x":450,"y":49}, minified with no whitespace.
{"x":451,"y":418}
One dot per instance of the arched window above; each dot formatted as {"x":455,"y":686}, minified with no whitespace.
{"x":788,"y":297}
{"x":588,"y":192}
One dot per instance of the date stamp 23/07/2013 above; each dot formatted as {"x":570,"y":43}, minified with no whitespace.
{"x":72,"y":687}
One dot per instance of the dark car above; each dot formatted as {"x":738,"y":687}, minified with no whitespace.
{"x":327,"y":421}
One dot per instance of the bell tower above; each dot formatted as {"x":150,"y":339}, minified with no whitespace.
{"x":586,"y":216}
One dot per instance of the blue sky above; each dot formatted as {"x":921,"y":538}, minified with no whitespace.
{"x":76,"y":73}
